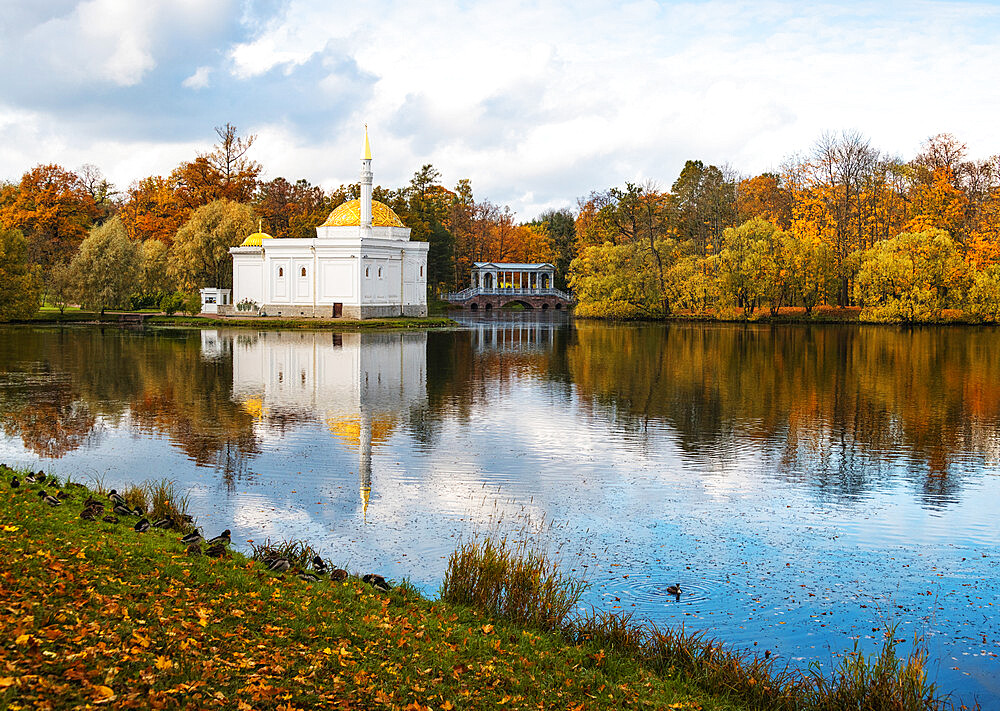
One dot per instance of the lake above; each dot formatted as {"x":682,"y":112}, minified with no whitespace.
{"x":807,"y":486}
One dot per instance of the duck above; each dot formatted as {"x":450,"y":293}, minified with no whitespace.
{"x":278,"y":565}
{"x":193,"y":537}
{"x":115,"y":497}
{"x":51,"y":500}
{"x":674,"y":589}
{"x":63,"y":495}
{"x":110,"y":519}
{"x":193,"y":550}
{"x":223,"y":538}
{"x":90,"y":514}
{"x":338,"y":574}
{"x":165,"y":522}
{"x":30,"y":479}
{"x":14,"y":483}
{"x":122,"y":510}
{"x":308,"y":578}
{"x":377,"y":582}
{"x":320,"y":566}
{"x":216,"y":551}
{"x":92,"y":502}
{"x":138,"y":511}
{"x":142,"y":525}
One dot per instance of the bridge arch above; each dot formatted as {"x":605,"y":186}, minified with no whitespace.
{"x":512,"y":302}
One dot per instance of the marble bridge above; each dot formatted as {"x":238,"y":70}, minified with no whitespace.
{"x":497,"y":284}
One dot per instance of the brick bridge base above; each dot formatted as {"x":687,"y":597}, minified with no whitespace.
{"x":485,"y":302}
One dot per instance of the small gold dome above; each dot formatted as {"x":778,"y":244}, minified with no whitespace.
{"x":349,"y":215}
{"x":256,"y":239}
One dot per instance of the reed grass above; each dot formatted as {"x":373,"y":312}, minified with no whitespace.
{"x":512,"y":580}
{"x":298,"y":553}
{"x":163,"y":499}
{"x":515,"y":581}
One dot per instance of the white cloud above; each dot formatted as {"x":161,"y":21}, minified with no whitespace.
{"x":539,"y":103}
{"x":198,"y":80}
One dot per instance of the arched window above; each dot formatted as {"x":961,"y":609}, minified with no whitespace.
{"x":303,"y":271}
{"x":421,"y":271}
{"x":281,"y":271}
{"x":380,"y":272}
{"x":368,"y":272}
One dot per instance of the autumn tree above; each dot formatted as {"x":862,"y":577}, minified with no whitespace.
{"x":426,"y":210}
{"x":106,"y":269}
{"x":291,"y":209}
{"x":766,"y":197}
{"x":911,"y":277}
{"x":750,"y":266}
{"x":153,"y":209}
{"x":19,"y":280}
{"x":53,"y":209}
{"x":200,"y":256}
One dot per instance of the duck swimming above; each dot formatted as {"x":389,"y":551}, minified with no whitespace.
{"x":674,"y":589}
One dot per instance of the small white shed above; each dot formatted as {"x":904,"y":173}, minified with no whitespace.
{"x":212,"y":299}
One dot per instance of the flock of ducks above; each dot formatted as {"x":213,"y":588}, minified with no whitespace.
{"x":217,"y":547}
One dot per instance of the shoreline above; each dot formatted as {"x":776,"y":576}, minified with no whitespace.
{"x":153,"y":320}
{"x":101,"y":613}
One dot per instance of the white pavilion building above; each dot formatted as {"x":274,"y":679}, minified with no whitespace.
{"x":361,"y":264}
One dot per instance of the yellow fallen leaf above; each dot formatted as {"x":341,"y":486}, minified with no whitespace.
{"x":144,"y":641}
{"x":104,"y":692}
{"x":327,"y":651}
{"x":487,"y":629}
{"x":23,"y":639}
{"x":447,"y":706}
{"x":11,"y":529}
{"x":6,"y":681}
{"x":162,"y":663}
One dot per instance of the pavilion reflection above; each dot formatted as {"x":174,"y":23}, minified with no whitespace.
{"x":360,"y":385}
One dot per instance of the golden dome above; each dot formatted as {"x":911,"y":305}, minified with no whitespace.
{"x":256,"y":239}
{"x":349,"y":215}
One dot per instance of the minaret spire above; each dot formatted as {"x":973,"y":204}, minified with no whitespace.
{"x":366,"y":184}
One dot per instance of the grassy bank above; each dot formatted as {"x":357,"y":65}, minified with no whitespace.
{"x":76,"y":316}
{"x":819,"y":314}
{"x":96,"y":613}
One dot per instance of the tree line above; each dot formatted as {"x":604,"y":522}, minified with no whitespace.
{"x":842,"y":224}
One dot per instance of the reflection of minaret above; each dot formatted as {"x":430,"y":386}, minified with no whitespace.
{"x":365,"y":463}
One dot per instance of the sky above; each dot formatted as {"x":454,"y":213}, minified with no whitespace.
{"x":537,"y":103}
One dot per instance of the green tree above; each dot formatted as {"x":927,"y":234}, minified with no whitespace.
{"x":702,"y":205}
{"x":106,"y":269}
{"x":984,"y":295}
{"x":154,"y":276}
{"x":749,"y":266}
{"x":561,"y":228}
{"x":60,"y":287}
{"x":199,"y":256}
{"x":19,"y":281}
{"x":910,"y":278}
{"x":812,"y":269}
{"x":426,"y":213}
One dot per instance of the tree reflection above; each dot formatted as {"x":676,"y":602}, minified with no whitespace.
{"x":836,"y":405}
{"x":58,"y":385}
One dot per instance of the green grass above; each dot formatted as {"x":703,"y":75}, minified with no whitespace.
{"x":74,"y":315}
{"x":96,"y":613}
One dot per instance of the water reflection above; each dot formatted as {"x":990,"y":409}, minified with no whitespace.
{"x":360,"y":385}
{"x":804,"y":484}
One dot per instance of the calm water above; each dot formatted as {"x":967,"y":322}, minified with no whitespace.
{"x":806,"y":486}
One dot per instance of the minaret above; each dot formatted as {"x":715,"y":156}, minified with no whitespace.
{"x":366,"y":185}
